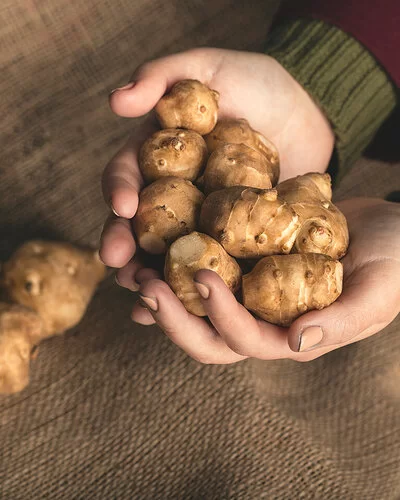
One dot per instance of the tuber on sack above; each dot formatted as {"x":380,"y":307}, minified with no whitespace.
{"x":56,"y":280}
{"x":20,"y":331}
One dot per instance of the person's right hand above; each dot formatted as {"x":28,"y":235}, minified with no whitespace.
{"x":251,"y":86}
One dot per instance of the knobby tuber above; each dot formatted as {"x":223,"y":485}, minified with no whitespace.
{"x":173,"y":152}
{"x":56,"y":280}
{"x":190,"y":104}
{"x":239,"y":131}
{"x":168,"y":208}
{"x":20,"y":331}
{"x":237,"y":165}
{"x":282,"y":287}
{"x":189,"y":254}
{"x":249,"y":222}
{"x":323,"y":226}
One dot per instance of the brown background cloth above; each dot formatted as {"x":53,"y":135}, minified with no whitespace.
{"x":114,"y":410}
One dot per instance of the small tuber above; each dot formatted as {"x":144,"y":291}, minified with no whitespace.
{"x":20,"y":330}
{"x":249,"y":222}
{"x":237,"y":165}
{"x":57,"y":280}
{"x":280,"y":288}
{"x":323,"y":226}
{"x":173,"y":152}
{"x":190,"y":104}
{"x":189,"y":254}
{"x":168,"y":208}
{"x":239,"y":131}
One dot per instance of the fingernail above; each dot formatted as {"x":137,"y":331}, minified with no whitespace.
{"x":114,"y":211}
{"x":150,"y":302}
{"x":203,"y":290}
{"x":128,"y":86}
{"x":310,"y":337}
{"x":133,"y":287}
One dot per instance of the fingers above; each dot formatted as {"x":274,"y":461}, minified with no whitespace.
{"x":364,"y":308}
{"x":117,"y":244}
{"x":240,"y":330}
{"x":134,"y":273}
{"x":189,"y":332}
{"x":151,"y":80}
{"x":122,"y":180}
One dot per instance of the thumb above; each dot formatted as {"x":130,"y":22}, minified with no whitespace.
{"x":152,"y":79}
{"x":364,"y":308}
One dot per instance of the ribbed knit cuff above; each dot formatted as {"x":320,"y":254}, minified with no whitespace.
{"x":343,"y":78}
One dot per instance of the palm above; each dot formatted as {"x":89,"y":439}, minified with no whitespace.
{"x":256,"y":87}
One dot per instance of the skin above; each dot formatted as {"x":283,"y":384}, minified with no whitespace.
{"x":304,"y":138}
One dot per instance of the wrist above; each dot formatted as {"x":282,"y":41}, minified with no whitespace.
{"x":344,"y":79}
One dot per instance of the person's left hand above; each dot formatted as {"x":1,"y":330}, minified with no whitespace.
{"x":369,"y":302}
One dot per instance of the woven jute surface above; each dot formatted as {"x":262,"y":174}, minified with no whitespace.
{"x":115,"y":411}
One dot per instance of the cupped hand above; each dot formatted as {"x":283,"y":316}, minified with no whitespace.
{"x":369,"y":302}
{"x":252,"y":86}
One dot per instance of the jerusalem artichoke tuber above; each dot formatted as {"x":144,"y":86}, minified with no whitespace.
{"x":168,"y":208}
{"x":282,"y":287}
{"x":189,"y":254}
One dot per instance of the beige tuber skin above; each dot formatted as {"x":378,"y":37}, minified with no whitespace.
{"x":239,"y":131}
{"x":237,"y":165}
{"x":173,"y":152}
{"x":20,"y":331}
{"x":191,"y":105}
{"x":189,"y":254}
{"x":249,"y":222}
{"x":280,"y":288}
{"x":57,"y":280}
{"x":323,"y":226}
{"x":168,"y":208}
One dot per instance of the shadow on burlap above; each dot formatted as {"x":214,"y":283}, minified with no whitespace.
{"x":114,"y":410}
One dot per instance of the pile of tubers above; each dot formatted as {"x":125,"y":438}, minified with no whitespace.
{"x":213,"y":201}
{"x":46,"y":288}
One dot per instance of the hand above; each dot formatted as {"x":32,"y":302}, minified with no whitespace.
{"x":251,"y":86}
{"x":369,"y":302}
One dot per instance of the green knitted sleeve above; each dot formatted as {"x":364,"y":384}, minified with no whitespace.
{"x":344,"y":79}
